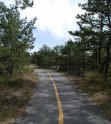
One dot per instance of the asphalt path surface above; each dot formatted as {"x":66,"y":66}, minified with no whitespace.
{"x":57,"y":101}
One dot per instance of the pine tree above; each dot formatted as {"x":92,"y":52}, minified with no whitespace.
{"x":16,"y":38}
{"x":95,"y":27}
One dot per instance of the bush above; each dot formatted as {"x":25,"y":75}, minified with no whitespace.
{"x":14,"y":82}
{"x":94,"y":77}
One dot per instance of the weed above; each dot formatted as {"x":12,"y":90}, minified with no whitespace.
{"x":15,"y":93}
{"x":94,"y":78}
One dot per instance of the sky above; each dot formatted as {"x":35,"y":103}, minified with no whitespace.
{"x":54,"y":19}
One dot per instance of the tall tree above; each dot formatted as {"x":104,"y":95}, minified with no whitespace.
{"x":16,"y":38}
{"x":95,"y":24}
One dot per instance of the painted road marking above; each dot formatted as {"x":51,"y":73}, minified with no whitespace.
{"x":61,"y":114}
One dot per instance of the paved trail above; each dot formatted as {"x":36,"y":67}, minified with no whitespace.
{"x":56,"y":101}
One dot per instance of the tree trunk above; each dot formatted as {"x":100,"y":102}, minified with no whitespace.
{"x":100,"y":43}
{"x":107,"y":59}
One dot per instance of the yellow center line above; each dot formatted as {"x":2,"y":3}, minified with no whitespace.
{"x":61,"y":115}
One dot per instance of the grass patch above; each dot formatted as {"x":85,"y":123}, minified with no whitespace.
{"x":97,"y":90}
{"x":11,"y":102}
{"x":94,"y":77}
{"x":15,"y":82}
{"x":15,"y":94}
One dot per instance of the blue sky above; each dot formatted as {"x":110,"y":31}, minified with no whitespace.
{"x":54,"y":19}
{"x":46,"y":37}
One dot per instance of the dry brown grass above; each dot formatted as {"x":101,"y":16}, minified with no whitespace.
{"x":97,"y":92}
{"x":15,"y":95}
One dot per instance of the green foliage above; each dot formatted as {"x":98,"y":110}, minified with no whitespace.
{"x":91,"y":50}
{"x":16,"y":37}
{"x":45,"y":57}
{"x":94,"y":36}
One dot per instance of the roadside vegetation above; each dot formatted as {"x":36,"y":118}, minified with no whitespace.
{"x":17,"y":78}
{"x":88,"y":55}
{"x":96,"y":90}
{"x":86,"y":59}
{"x":14,"y":95}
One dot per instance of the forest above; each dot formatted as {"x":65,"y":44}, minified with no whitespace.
{"x":16,"y":37}
{"x":87,"y":55}
{"x":90,"y":51}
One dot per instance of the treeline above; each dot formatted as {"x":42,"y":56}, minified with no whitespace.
{"x":68,"y":57}
{"x":91,"y":49}
{"x":16,"y":37}
{"x":46,"y":57}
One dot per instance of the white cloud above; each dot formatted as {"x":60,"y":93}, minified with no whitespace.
{"x":56,"y":16}
{"x":8,"y":2}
